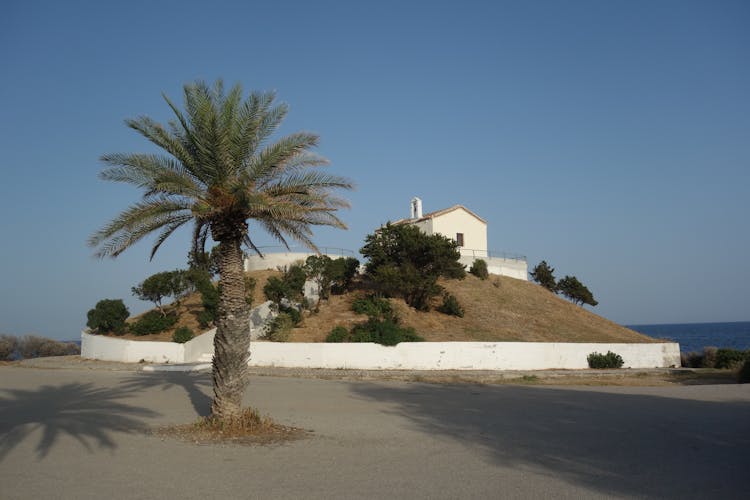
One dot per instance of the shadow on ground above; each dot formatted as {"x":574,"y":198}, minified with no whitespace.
{"x":640,"y":445}
{"x":88,"y":413}
{"x":197,"y":386}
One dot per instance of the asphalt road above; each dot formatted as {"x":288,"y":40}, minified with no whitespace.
{"x":81,"y":434}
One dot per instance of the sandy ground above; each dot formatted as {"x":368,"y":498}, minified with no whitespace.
{"x":84,"y":433}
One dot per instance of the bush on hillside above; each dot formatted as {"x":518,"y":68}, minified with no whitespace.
{"x":380,"y":331}
{"x":108,"y":316}
{"x":479,"y":269}
{"x":8,"y":346}
{"x":152,"y":322}
{"x":182,"y":334}
{"x":373,"y":307}
{"x":280,"y":328}
{"x":450,"y":306}
{"x":602,"y":361}
{"x":338,"y":334}
{"x":385,"y":332}
{"x":294,"y":314}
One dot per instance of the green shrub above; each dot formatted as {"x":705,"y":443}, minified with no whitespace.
{"x":451,"y":306}
{"x":342,"y":272}
{"x":479,"y":269}
{"x":205,"y":318}
{"x":275,"y":289}
{"x":108,"y":315}
{"x":280,"y":328}
{"x":152,"y":322}
{"x":293,"y":313}
{"x":338,"y":334}
{"x":385,"y":332}
{"x":8,"y":346}
{"x":182,"y":335}
{"x":373,"y":307}
{"x":609,"y":360}
{"x":743,"y":375}
{"x":295,"y":278}
{"x":730,"y":358}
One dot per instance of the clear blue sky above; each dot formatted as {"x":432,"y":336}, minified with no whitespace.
{"x":610,"y":138}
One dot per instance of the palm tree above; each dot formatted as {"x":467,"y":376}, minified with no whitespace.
{"x":221,"y":170}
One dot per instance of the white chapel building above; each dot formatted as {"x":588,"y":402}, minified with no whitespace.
{"x":470,"y":232}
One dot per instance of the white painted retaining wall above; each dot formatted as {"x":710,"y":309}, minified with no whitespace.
{"x":458,"y":355}
{"x":130,"y":351}
{"x":405,"y":356}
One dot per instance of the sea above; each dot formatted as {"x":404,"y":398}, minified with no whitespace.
{"x":693,"y":337}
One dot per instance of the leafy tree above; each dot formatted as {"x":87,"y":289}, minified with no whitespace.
{"x":200,"y":280}
{"x":206,"y":261}
{"x":544,"y":275}
{"x":576,"y":291}
{"x":159,"y":286}
{"x":318,"y":269}
{"x":405,"y":262}
{"x":342,"y":272}
{"x":290,"y":286}
{"x":108,"y":315}
{"x":220,"y":170}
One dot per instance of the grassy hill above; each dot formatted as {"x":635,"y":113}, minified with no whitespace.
{"x":496,"y":309}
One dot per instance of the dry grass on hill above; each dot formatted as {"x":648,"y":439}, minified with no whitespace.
{"x":496,"y":309}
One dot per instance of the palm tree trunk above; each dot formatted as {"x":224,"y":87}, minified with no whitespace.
{"x":232,"y":340}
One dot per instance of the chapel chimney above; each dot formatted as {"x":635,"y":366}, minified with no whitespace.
{"x":416,"y":208}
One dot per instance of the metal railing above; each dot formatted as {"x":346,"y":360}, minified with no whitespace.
{"x":491,"y":254}
{"x":343,"y":252}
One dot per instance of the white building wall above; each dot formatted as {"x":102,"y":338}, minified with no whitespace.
{"x":458,"y":221}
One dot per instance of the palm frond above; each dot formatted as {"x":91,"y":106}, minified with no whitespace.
{"x":133,"y":224}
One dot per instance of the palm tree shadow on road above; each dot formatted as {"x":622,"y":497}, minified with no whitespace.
{"x":632,"y":444}
{"x":197,"y":386}
{"x":88,"y":413}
